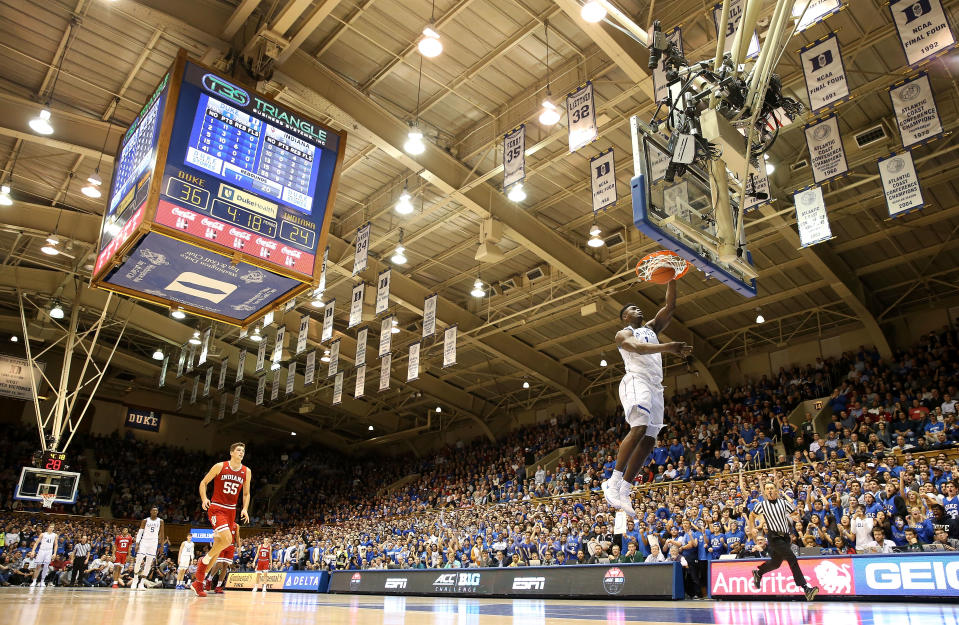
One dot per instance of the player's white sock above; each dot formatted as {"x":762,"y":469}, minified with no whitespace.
{"x":616,"y":478}
{"x":136,"y":580}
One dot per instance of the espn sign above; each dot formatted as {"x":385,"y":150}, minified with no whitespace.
{"x":529,"y":583}
{"x":395,"y":583}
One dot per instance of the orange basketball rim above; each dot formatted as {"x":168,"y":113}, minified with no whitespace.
{"x":656,"y":266}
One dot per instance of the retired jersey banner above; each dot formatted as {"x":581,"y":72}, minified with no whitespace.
{"x":240,"y":366}
{"x":221,"y":381}
{"x":327,"y":332}
{"x":310,"y":370}
{"x":449,"y":347}
{"x":923,"y":29}
{"x":362,"y":252}
{"x":361,"y":346}
{"x":826,"y":153}
{"x":260,"y":356}
{"x":385,"y":363}
{"x":581,"y":113}
{"x":602,"y":177}
{"x":811,"y":217}
{"x":356,"y":305}
{"x":181,"y":362}
{"x":195,"y":390}
{"x":208,"y":382}
{"x":514,"y":156}
{"x":386,"y":335}
{"x":302,"y":334}
{"x":163,"y":369}
{"x":236,"y":398}
{"x":275,"y":385}
{"x":360,"y":387}
{"x":278,"y":347}
{"x":204,"y":347}
{"x":290,"y":378}
{"x":382,"y":292}
{"x":338,"y":389}
{"x":825,"y":73}
{"x":900,"y":184}
{"x":179,"y":399}
{"x":326,"y":257}
{"x":811,"y":12}
{"x":916,"y":113}
{"x":413,"y":366}
{"x":260,"y":388}
{"x":735,"y":14}
{"x":429,"y":316}
{"x":660,"y":85}
{"x":334,"y":358}
{"x":268,"y":319}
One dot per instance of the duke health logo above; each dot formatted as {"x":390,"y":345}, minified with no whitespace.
{"x":224,"y":89}
{"x":614,"y":580}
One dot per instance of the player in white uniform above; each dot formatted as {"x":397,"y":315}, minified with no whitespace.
{"x":43,"y":548}
{"x":184,"y":560}
{"x":148,"y":540}
{"x":641,"y":393}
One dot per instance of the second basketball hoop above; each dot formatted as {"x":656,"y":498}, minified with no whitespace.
{"x":661,"y":267}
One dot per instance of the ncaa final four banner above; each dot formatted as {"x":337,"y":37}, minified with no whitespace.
{"x":923,"y":29}
{"x":811,"y":217}
{"x":900,"y":184}
{"x":581,"y":113}
{"x":449,"y":346}
{"x":413,"y":366}
{"x":602,"y":177}
{"x":327,"y":332}
{"x":826,"y":153}
{"x":360,"y":358}
{"x":360,"y":387}
{"x":386,"y":361}
{"x":514,"y":156}
{"x":362,"y":252}
{"x":811,"y":12}
{"x":382,"y":292}
{"x":660,"y":86}
{"x":735,"y":14}
{"x":825,"y":73}
{"x":916,"y":113}
{"x":356,"y":305}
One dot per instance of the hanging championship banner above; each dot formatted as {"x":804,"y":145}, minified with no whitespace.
{"x":260,"y":356}
{"x":327,"y":333}
{"x":386,"y":336}
{"x":221,"y":381}
{"x":581,"y":113}
{"x":268,"y":319}
{"x":825,"y":73}
{"x":204,"y":347}
{"x":735,"y":14}
{"x":290,"y":378}
{"x":361,"y":346}
{"x":382,"y":292}
{"x":826,"y":154}
{"x":514,"y":156}
{"x":449,"y":347}
{"x":181,"y":362}
{"x":275,"y":385}
{"x":413,"y":366}
{"x":429,"y":316}
{"x":260,"y":387}
{"x":208,"y":382}
{"x":900,"y":184}
{"x":338,"y":389}
{"x":289,"y":305}
{"x":278,"y":348}
{"x":240,"y":366}
{"x":326,"y":257}
{"x":236,"y":398}
{"x":360,"y":387}
{"x":334,"y":358}
{"x":195,"y":390}
{"x":757,"y":184}
{"x":385,"y":363}
{"x":356,"y":305}
{"x":301,"y":335}
{"x":179,"y":399}
{"x":810,"y":12}
{"x":916,"y":112}
{"x":222,"y":412}
{"x":923,"y":29}
{"x":362,"y":252}
{"x":811,"y":217}
{"x":310,"y":370}
{"x":163,"y":368}
{"x":660,"y":86}
{"x":189,"y":358}
{"x":602,"y":176}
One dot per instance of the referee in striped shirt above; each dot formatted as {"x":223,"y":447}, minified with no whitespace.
{"x":78,"y":560}
{"x":779,"y":514}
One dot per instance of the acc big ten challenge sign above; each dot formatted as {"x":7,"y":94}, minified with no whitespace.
{"x":220,"y":199}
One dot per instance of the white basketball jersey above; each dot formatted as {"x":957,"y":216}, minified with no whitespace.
{"x":649,"y":367}
{"x":186,"y":551}
{"x":151,"y":532}
{"x":47,"y":540}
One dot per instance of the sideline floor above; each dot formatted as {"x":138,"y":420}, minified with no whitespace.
{"x":55,"y":606}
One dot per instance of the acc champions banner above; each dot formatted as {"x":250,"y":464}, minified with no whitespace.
{"x":826,"y":153}
{"x":143,"y":420}
{"x":916,"y":113}
{"x":900,"y":184}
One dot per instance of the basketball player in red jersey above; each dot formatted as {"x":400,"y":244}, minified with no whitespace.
{"x":223,"y":563}
{"x":228,"y":478}
{"x":263,"y":553}
{"x":121,"y":549}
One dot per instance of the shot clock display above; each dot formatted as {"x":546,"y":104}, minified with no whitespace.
{"x":53,"y":461}
{"x":245,"y":183}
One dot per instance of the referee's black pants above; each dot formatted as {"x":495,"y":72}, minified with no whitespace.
{"x":77,"y":569}
{"x":780,"y":549}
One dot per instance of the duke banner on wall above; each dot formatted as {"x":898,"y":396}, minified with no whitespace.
{"x":361,"y":255}
{"x":900,"y":184}
{"x":275,"y":385}
{"x":810,"y":12}
{"x":916,"y":113}
{"x":602,"y":176}
{"x":260,"y":388}
{"x":514,"y":156}
{"x":143,"y":419}
{"x":735,"y":14}
{"x":826,"y":153}
{"x":260,"y":356}
{"x":581,"y":113}
{"x":811,"y":217}
{"x":221,"y":381}
{"x":825,"y":73}
{"x":923,"y":29}
{"x":660,"y":86}
{"x":382,"y":292}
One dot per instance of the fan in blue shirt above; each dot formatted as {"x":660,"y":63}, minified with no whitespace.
{"x":715,"y":544}
{"x":659,"y":455}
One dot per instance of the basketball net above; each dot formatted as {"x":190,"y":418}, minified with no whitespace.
{"x":658,"y":260}
{"x":46,"y":499}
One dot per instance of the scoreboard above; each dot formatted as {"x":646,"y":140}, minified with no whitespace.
{"x":220,"y":199}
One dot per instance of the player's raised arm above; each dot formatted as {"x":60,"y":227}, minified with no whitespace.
{"x":244,"y":514}
{"x":209,"y":477}
{"x":665,"y":314}
{"x":626,"y":341}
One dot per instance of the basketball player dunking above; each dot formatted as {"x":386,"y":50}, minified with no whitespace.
{"x":149,"y":537}
{"x":228,"y":478}
{"x":641,"y":393}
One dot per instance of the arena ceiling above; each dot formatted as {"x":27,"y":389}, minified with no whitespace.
{"x":354,"y":64}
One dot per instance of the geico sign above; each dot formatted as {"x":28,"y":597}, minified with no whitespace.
{"x":529,"y":583}
{"x":395,"y":582}
{"x":913,"y":575}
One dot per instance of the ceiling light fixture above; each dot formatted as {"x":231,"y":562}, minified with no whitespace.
{"x":5,"y":199}
{"x":399,"y":258}
{"x":525,"y":384}
{"x":326,"y":356}
{"x":370,"y":428}
{"x":603,"y":363}
{"x":292,"y":433}
{"x":14,"y":338}
{"x":318,"y":299}
{"x":195,"y":339}
{"x":256,"y":337}
{"x":56,"y":311}
{"x":178,"y":314}
{"x":438,"y":409}
{"x":759,"y":316}
{"x":478,"y":290}
{"x":92,"y":190}
{"x":592,"y":12}
{"x":594,"y":240}
{"x":51,"y":249}
{"x":550,"y":114}
{"x":414,"y":138}
{"x":158,"y":354}
{"x":430,"y":45}
{"x":516,"y":193}
{"x":41,"y":123}
{"x":404,"y":206}
{"x":394,"y":327}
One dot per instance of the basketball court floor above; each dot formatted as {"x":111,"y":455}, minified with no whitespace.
{"x":163,"y":607}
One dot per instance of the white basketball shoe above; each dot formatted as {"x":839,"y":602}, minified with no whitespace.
{"x":611,"y":493}
{"x":626,"y":497}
